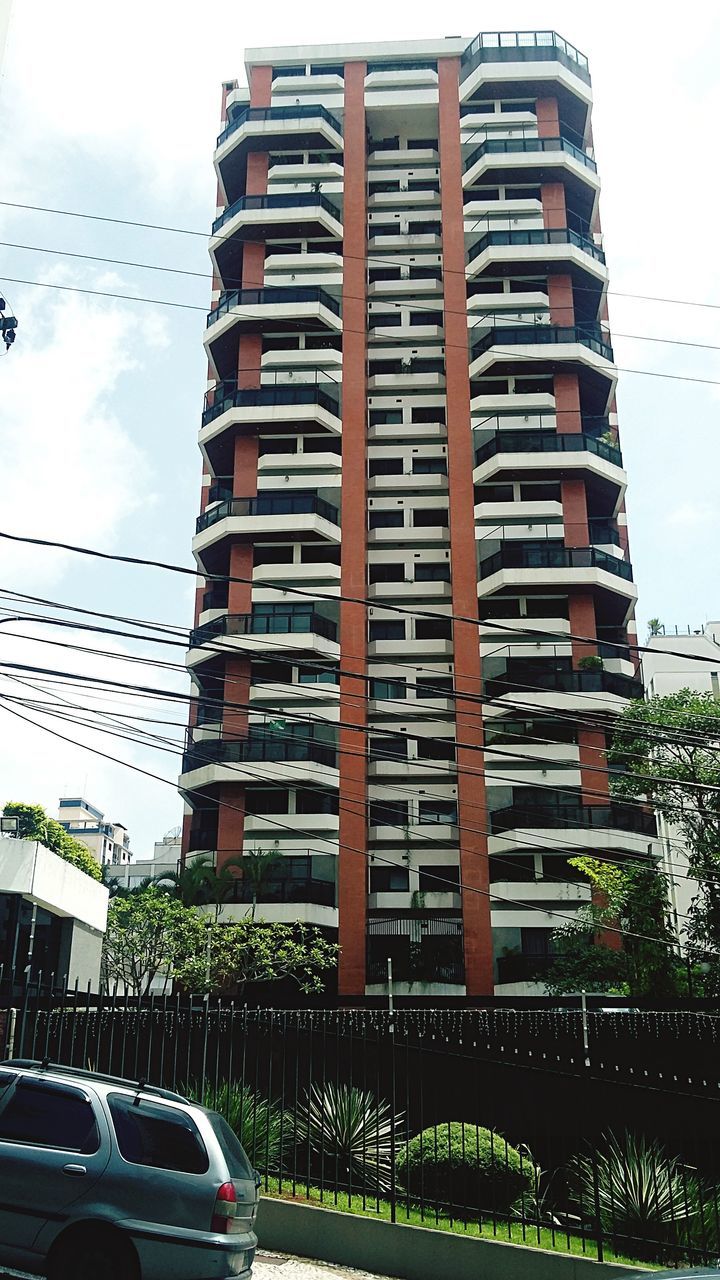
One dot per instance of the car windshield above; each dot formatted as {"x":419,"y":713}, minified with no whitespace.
{"x":237,"y":1162}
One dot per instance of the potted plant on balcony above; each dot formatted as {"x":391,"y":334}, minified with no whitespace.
{"x":591,"y":662}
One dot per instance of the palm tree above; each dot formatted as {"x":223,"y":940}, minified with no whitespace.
{"x":193,"y":884}
{"x":255,"y":868}
{"x":655,"y":628}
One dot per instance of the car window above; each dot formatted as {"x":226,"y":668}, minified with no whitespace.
{"x":6,"y":1079}
{"x":158,"y":1136}
{"x":237,"y":1162}
{"x":48,"y":1115}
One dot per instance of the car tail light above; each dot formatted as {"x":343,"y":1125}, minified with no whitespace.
{"x":223,"y":1219}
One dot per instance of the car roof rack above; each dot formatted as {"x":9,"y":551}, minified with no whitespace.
{"x":56,"y":1068}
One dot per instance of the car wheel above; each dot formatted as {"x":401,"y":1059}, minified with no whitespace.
{"x":88,"y":1255}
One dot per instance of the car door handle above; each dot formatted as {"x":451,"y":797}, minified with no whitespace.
{"x":74,"y":1170}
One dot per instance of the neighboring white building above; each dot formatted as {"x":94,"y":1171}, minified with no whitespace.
{"x":673,"y":664}
{"x":108,"y":841}
{"x":165,"y":860}
{"x":52,"y":917}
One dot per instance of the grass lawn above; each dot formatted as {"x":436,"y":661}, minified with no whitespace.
{"x":513,"y":1232}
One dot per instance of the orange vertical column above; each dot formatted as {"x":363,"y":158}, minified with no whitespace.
{"x":236,"y":686}
{"x":472,"y":807}
{"x":352,"y":884}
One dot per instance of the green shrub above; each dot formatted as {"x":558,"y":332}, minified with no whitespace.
{"x":34,"y":824}
{"x":466,"y":1166}
{"x":258,"y":1122}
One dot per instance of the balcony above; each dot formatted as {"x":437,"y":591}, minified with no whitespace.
{"x":296,"y":127}
{"x":537,"y":160}
{"x":523,"y":46}
{"x":569,"y":343}
{"x":292,"y":216}
{"x":270,"y":310}
{"x":295,"y":620}
{"x":549,"y":556}
{"x":550,"y":452}
{"x":593,"y":817}
{"x":547,"y":442}
{"x":529,"y":146}
{"x":272,"y":408}
{"x":285,"y":883}
{"x":260,"y":749}
{"x":424,"y":947}
{"x":527,"y":679}
{"x":268,"y":504}
{"x":522,"y":968}
{"x":555,"y":244}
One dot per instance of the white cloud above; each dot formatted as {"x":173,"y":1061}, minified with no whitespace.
{"x":75,"y":472}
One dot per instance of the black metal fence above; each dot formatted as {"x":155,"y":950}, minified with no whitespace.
{"x":538,"y":1127}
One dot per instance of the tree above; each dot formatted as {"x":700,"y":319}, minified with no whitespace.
{"x":147,"y":933}
{"x":632,"y":897}
{"x":256,"y":867}
{"x":225,"y":957}
{"x":655,"y":628}
{"x":34,"y":824}
{"x":668,"y":749}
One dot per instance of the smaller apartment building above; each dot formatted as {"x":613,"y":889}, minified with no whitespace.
{"x":108,"y":841}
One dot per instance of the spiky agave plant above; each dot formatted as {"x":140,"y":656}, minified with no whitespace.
{"x":259,"y":1123}
{"x":353,"y":1133}
{"x":642,"y":1194}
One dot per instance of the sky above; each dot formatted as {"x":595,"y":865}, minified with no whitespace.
{"x":112,"y":110}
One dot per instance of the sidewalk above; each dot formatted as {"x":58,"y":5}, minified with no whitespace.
{"x":280,"y":1266}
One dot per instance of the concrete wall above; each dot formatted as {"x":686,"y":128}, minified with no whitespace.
{"x":412,"y":1253}
{"x":85,"y":956}
{"x":47,"y":879}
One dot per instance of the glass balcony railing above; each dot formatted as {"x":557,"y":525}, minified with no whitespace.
{"x":281,"y":750}
{"x":277,"y":296}
{"x":285,"y":889}
{"x":227,"y":395}
{"x":523,"y":46}
{"x":544,"y":335}
{"x":303,"y":200}
{"x":536,"y":235}
{"x":499,"y":146}
{"x":517,"y":555}
{"x":270,"y":115}
{"x":537,"y":678}
{"x":269,"y":504}
{"x":216,"y":597}
{"x":604,"y":531}
{"x":614,"y":816}
{"x":546,"y":442}
{"x":285,"y":622}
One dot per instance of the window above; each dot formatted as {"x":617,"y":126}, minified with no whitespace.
{"x":429,"y":466}
{"x":271,"y":673}
{"x":426,"y":317}
{"x":389,"y":880}
{"x":317,"y":675}
{"x":385,"y":319}
{"x":430,"y":517}
{"x":435,"y":749}
{"x":276,"y":444}
{"x":309,"y":801}
{"x":438,"y":811}
{"x":437,"y":687}
{"x":235,"y":1158}
{"x":537,"y":942}
{"x":425,"y":273}
{"x":388,"y":813}
{"x":520,"y":869}
{"x":49,"y":1115}
{"x":321,"y":444}
{"x":438,"y":879}
{"x":425,"y":413}
{"x":157,"y":1136}
{"x":432,"y":572}
{"x":385,"y":417}
{"x":540,"y":492}
{"x":388,"y":689}
{"x":266,"y":800}
{"x":319,"y":554}
{"x":386,"y":520}
{"x":377,"y":274}
{"x":6,"y":1079}
{"x":547,"y":607}
{"x":389,"y":747}
{"x":493,"y":493}
{"x":387,"y":631}
{"x":386,"y":573}
{"x":272,"y":555}
{"x":385,"y":467}
{"x":499,"y":607}
{"x":433,"y":629}
{"x":518,"y":106}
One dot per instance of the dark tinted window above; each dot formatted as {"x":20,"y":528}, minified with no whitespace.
{"x":156,"y":1136}
{"x":386,"y":520}
{"x":237,"y":1162}
{"x":46,"y":1115}
{"x":6,"y":1079}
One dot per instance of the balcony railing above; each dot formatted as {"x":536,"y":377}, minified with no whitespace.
{"x":251,"y":750}
{"x":227,"y":395}
{"x":523,"y":968}
{"x":546,"y":442}
{"x":273,"y":297}
{"x":269,"y":504}
{"x":549,"y":556}
{"x":615,"y":816}
{"x":500,"y":146}
{"x":540,"y":679}
{"x":288,"y":622}
{"x":271,"y":114}
{"x":424,"y":946}
{"x":523,"y":46}
{"x":303,"y":200}
{"x":320,"y":892}
{"x":604,"y":531}
{"x":536,"y":235}
{"x":544,"y":335}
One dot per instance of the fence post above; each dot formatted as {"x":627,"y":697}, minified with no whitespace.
{"x":10,"y":1033}
{"x":598,"y":1220}
{"x":393,"y":1108}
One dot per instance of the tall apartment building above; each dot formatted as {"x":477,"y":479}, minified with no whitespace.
{"x":414,"y":484}
{"x":108,"y":841}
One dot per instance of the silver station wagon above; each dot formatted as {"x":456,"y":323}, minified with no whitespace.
{"x":100,"y":1177}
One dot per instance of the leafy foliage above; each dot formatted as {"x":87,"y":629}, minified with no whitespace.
{"x":264,"y":1131}
{"x":645,"y":1197}
{"x":581,"y":963}
{"x":34,"y":824}
{"x":667,"y":748}
{"x":353,"y":1133}
{"x":466,"y":1166}
{"x":147,"y":933}
{"x":224,"y":957}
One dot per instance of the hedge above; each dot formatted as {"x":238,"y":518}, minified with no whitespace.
{"x":465,"y":1166}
